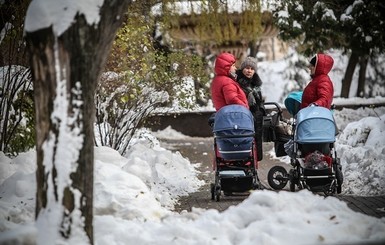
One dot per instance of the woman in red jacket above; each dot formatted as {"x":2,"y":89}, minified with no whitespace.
{"x":224,"y":88}
{"x":320,"y":90}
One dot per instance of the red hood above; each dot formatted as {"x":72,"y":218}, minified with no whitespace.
{"x":324,"y":64}
{"x":223,"y":64}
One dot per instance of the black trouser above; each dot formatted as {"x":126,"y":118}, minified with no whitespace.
{"x":258,"y":127}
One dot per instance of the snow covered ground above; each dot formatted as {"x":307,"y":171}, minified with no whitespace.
{"x":134,"y":196}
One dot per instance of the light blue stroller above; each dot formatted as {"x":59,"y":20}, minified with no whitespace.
{"x":314,"y":161}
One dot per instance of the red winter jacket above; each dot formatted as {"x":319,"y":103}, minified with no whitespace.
{"x":320,"y":89}
{"x":224,"y":89}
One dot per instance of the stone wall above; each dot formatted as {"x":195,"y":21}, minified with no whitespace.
{"x":191,"y":124}
{"x":195,"y":124}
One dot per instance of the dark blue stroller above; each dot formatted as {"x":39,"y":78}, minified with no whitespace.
{"x":235,"y":162}
{"x":314,"y":161}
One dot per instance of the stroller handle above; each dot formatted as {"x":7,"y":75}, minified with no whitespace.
{"x":274,"y":104}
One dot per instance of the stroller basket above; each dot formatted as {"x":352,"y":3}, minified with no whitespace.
{"x":318,"y":177}
{"x":234,"y":132}
{"x":231,"y":183}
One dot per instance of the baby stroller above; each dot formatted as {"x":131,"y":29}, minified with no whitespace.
{"x":235,"y":162}
{"x":315,"y":165}
{"x":276,"y":128}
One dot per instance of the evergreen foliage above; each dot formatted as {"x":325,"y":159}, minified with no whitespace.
{"x":354,"y":26}
{"x":321,"y":25}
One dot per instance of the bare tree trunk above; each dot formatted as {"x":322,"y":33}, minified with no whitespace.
{"x":347,"y":80}
{"x":362,"y":76}
{"x":65,"y":72}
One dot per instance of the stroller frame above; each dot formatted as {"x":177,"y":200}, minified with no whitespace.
{"x":319,"y":180}
{"x":272,"y":128}
{"x":234,"y":175}
{"x":235,"y":162}
{"x":327,"y":180}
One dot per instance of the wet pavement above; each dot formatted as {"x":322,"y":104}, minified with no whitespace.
{"x":200,"y":151}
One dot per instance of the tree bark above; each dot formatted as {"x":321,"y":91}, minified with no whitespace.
{"x":347,"y":80}
{"x":65,"y":72}
{"x":362,"y":76}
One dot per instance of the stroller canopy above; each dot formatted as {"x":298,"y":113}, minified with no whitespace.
{"x":293,"y":102}
{"x":233,"y":118}
{"x":234,"y":132}
{"x":315,"y":124}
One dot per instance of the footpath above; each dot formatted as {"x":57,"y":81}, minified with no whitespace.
{"x":199,"y":150}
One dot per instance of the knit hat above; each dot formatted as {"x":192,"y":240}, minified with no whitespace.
{"x":313,"y":60}
{"x":249,"y":61}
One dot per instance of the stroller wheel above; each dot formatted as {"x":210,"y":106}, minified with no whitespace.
{"x":292,"y":180}
{"x":339,"y":176}
{"x":257,"y":186}
{"x":292,"y":186}
{"x":277,"y":177}
{"x":218,"y":195}
{"x":212,"y":189}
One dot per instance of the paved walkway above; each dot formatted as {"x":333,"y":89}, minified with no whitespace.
{"x":199,"y":150}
